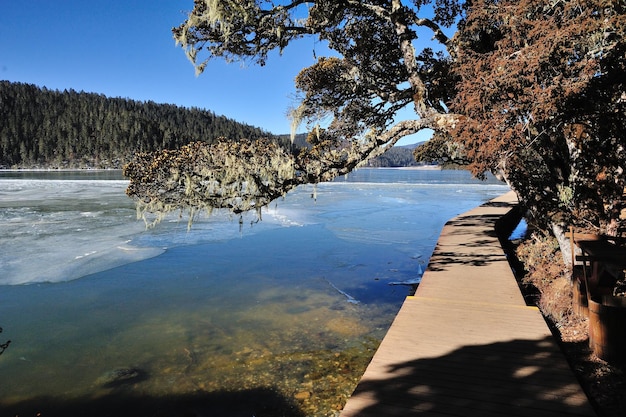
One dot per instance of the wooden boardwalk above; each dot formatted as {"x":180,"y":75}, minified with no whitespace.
{"x":466,"y":344}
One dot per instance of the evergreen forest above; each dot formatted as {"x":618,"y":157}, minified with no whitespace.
{"x":42,"y":128}
{"x":398,"y":156}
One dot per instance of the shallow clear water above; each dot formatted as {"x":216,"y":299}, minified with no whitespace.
{"x":295,"y":304}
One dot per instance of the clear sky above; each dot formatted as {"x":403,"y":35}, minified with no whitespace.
{"x":125,"y":48}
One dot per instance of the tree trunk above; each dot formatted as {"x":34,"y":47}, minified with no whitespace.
{"x":564,"y":243}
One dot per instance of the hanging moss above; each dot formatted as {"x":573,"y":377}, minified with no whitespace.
{"x":238,"y":176}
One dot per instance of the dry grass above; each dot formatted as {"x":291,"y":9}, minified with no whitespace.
{"x":546,"y":272}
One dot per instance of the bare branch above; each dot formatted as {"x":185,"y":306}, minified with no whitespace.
{"x":438,"y":33}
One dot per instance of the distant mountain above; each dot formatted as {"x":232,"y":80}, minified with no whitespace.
{"x":398,"y":156}
{"x":411,"y":146}
{"x":68,"y":129}
{"x":299,"y":141}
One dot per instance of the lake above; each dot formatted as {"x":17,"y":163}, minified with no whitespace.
{"x":278,"y":317}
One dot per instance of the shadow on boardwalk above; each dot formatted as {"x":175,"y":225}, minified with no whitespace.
{"x":470,"y":243}
{"x":444,"y":259}
{"x":475,"y":381}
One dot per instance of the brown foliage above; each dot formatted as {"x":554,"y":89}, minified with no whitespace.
{"x":543,"y":85}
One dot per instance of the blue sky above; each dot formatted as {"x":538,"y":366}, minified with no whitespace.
{"x":124,"y":48}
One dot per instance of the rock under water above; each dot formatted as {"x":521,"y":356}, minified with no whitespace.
{"x":121,"y":376}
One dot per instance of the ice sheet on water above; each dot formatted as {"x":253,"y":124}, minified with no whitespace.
{"x":58,"y":230}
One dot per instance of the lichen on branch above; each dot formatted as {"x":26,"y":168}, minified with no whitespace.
{"x":238,"y":176}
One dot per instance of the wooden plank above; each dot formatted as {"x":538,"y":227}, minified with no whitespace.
{"x":466,"y":344}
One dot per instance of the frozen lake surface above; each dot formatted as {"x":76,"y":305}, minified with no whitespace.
{"x":296,"y":301}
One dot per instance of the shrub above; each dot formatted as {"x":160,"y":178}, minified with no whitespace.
{"x":546,"y":272}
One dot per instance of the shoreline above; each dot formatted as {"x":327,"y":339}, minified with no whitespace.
{"x":421,"y":167}
{"x":58,"y":169}
{"x":418,"y":167}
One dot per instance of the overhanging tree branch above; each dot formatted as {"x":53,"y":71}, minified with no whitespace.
{"x":375,"y":74}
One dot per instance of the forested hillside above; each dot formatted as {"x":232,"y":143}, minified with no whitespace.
{"x":52,"y":129}
{"x":398,"y":156}
{"x":42,"y":128}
